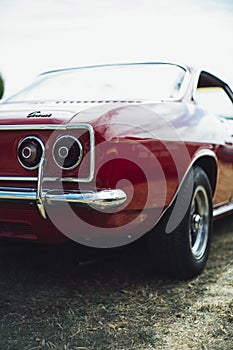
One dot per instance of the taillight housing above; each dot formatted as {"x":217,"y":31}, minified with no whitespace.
{"x":30,"y":151}
{"x":67,"y":152}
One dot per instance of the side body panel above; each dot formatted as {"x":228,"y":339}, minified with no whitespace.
{"x":144,"y":149}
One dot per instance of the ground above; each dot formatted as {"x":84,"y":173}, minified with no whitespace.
{"x":50,"y":301}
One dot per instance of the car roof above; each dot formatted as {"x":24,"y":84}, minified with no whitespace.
{"x":186,"y":68}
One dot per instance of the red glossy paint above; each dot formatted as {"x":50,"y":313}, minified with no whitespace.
{"x":145,"y":149}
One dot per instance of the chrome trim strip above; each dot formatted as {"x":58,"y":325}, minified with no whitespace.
{"x":105,"y":199}
{"x":45,"y":127}
{"x":223,"y":210}
{"x":203,"y":153}
{"x":200,"y":154}
{"x":18,"y":178}
{"x":23,"y":196}
{"x":51,"y":127}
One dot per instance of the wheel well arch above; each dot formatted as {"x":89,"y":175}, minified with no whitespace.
{"x":210,"y":167}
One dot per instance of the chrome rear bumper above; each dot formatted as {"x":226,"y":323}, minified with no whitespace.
{"x":102,"y":200}
{"x":105,"y":199}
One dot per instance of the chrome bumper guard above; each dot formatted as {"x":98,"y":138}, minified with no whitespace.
{"x":102,"y":200}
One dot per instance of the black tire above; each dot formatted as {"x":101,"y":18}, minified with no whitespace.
{"x":180,"y":250}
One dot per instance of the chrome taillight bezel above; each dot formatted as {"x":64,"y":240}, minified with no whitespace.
{"x":23,"y":156}
{"x":63,"y":148}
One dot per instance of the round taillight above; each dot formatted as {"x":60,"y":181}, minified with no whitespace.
{"x":67,"y":152}
{"x":30,"y":151}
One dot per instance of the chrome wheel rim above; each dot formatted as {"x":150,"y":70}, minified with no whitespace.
{"x":199,"y":222}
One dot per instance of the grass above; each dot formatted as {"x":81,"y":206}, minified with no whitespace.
{"x":50,"y":301}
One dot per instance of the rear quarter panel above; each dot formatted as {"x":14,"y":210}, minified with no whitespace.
{"x":147,"y":149}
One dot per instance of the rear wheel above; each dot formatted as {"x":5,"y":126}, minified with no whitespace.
{"x":183,"y":251}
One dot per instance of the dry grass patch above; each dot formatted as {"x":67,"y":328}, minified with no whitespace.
{"x":48,"y":301}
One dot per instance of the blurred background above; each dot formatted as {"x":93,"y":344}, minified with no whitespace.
{"x":37,"y":36}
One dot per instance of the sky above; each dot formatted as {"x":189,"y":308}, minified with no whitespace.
{"x":42,"y":35}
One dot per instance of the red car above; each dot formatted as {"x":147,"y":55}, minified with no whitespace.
{"x":104,"y":155}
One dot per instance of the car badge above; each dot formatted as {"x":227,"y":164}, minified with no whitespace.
{"x":39,"y":114}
